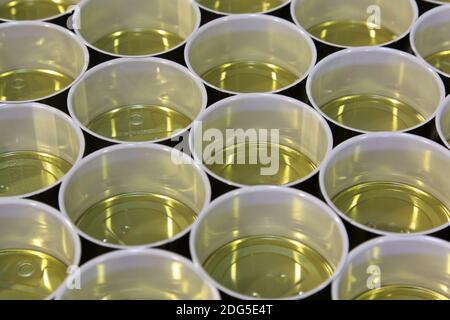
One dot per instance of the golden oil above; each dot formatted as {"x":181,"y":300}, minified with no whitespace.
{"x":392,"y":207}
{"x":268,"y":267}
{"x":240,"y":6}
{"x":372,"y":113}
{"x":134,"y":219}
{"x":23,"y":172}
{"x":29,"y":274}
{"x":292,"y":164}
{"x":401,"y":292}
{"x":352,"y":33}
{"x":138,"y":41}
{"x":440,"y":60}
{"x":31,"y":84}
{"x":139,"y":123}
{"x":249,"y":76}
{"x":33,"y":9}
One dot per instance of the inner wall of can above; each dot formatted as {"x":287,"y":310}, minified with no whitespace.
{"x":165,"y":272}
{"x":270,"y":212}
{"x":300,"y":128}
{"x":417,"y":262}
{"x":382,"y":72}
{"x":430,"y":35}
{"x":397,"y":158}
{"x":99,"y":18}
{"x":155,"y":82}
{"x":443,"y":122}
{"x":397,"y":16}
{"x":131,"y":170}
{"x":27,"y":226}
{"x":36,"y":127}
{"x":34,"y":10}
{"x":250,"y":38}
{"x":35,"y":45}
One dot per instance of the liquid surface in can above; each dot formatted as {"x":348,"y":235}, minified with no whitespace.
{"x":352,"y":33}
{"x":440,"y":60}
{"x":139,"y":123}
{"x":31,"y":84}
{"x":23,"y":172}
{"x":372,"y":113}
{"x":33,"y":9}
{"x":29,"y":274}
{"x":241,"y":163}
{"x":401,"y":292}
{"x":240,"y":6}
{"x":392,"y":207}
{"x":268,"y":267}
{"x":249,"y":76}
{"x":138,"y":42}
{"x":134,"y":219}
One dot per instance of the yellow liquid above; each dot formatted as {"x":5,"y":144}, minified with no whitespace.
{"x":293,"y":165}
{"x":249,"y":76}
{"x":392,"y":207}
{"x":401,"y":292}
{"x":33,"y":9}
{"x":440,"y":60}
{"x":241,"y":6}
{"x":139,"y":123}
{"x":24,"y":172}
{"x":138,"y":42}
{"x":268,"y":267}
{"x":136,"y":219}
{"x":351,"y":33}
{"x":29,"y":274}
{"x":31,"y":84}
{"x":372,"y":113}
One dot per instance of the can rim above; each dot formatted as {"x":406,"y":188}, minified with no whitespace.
{"x":445,"y":106}
{"x":157,"y":253}
{"x":63,"y":116}
{"x":69,"y":10}
{"x":223,"y":104}
{"x":350,"y":51}
{"x":301,"y":194}
{"x":230,"y":19}
{"x":375,"y":136}
{"x":67,"y":33}
{"x":63,"y":220}
{"x":427,"y":15}
{"x":380,"y":241}
{"x":155,"y":147}
{"x":415,"y":12}
{"x":155,"y":60}
{"x":223,"y":13}
{"x":77,"y":15}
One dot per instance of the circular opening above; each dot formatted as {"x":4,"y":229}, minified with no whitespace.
{"x":356,"y":23}
{"x":443,"y":122}
{"x":389,"y":184}
{"x":39,"y":146}
{"x":228,"y":7}
{"x":137,"y":100}
{"x":249,"y":53}
{"x":109,"y":195}
{"x":141,"y":28}
{"x":430,"y":40}
{"x":260,"y":139}
{"x":273,"y":251}
{"x":26,"y":10}
{"x":168,"y":276}
{"x":375,"y":89}
{"x":40,"y":61}
{"x":35,"y":235}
